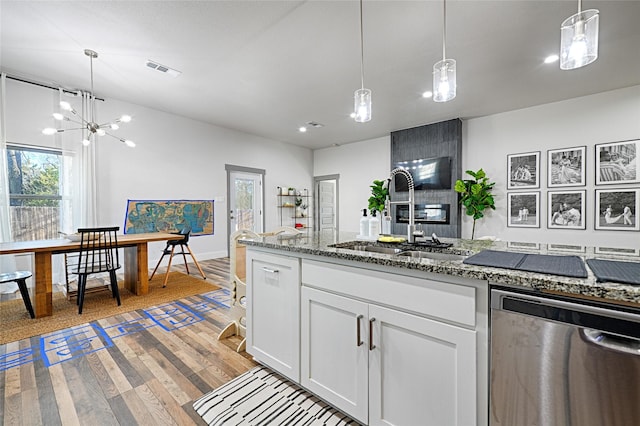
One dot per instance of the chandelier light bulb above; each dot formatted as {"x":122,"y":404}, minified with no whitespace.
{"x":129,"y":143}
{"x":101,"y":132}
{"x":114,"y":126}
{"x":86,"y":141}
{"x":49,"y":131}
{"x":65,"y":106}
{"x":125,"y":118}
{"x":58,"y":116}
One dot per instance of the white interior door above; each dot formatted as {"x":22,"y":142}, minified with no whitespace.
{"x":327,"y":203}
{"x":245,"y":201}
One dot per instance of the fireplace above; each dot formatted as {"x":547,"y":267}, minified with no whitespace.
{"x":424,"y":213}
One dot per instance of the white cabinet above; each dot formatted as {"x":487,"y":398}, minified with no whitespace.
{"x":273,"y":313}
{"x":421,"y":372}
{"x":334,"y":352}
{"x":379,"y":364}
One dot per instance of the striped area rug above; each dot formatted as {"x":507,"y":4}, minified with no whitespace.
{"x":261,"y":397}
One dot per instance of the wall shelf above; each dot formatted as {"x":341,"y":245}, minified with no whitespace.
{"x":290,"y":214}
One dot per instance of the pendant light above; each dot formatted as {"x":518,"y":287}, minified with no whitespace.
{"x":90,"y":123}
{"x":579,"y":39}
{"x":362,"y":96}
{"x":444,"y":71}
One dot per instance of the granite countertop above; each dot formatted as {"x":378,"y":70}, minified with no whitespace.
{"x":331,"y":245}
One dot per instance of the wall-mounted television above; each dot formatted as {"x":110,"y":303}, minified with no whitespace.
{"x":428,"y":173}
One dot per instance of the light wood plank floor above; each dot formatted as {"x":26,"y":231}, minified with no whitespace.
{"x":133,"y":370}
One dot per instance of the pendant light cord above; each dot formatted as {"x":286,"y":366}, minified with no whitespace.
{"x":361,"y":48}
{"x":444,"y":28}
{"x":91,"y":101}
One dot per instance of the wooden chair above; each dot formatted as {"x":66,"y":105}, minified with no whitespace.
{"x":98,"y":253}
{"x":170,"y":248}
{"x":20,"y":277}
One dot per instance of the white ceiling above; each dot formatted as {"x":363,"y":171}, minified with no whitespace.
{"x":267,"y":67}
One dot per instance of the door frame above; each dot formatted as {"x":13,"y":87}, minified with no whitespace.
{"x":316,"y":200}
{"x":229,"y":168}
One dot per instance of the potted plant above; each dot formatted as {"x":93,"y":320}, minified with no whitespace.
{"x":475,"y":195}
{"x":379,"y":195}
{"x":292,"y":191}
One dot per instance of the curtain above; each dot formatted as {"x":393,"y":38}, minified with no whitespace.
{"x":85,"y":184}
{"x":79,"y":208}
{"x":7,"y":262}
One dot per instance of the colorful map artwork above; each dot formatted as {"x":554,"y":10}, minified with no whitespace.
{"x":169,"y":216}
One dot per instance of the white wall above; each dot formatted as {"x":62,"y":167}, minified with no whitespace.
{"x":175,"y":158}
{"x":604,"y":117}
{"x":358,"y":165}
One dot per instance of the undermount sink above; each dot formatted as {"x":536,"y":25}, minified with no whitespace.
{"x":416,"y":254}
{"x":377,"y":249}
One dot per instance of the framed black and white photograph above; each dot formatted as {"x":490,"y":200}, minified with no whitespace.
{"x":566,"y":167}
{"x":524,"y":170}
{"x":617,"y":251}
{"x":617,"y":209}
{"x":567,"y":248}
{"x":523,"y":246}
{"x":523,"y":209}
{"x":565,"y":210}
{"x":616,"y":162}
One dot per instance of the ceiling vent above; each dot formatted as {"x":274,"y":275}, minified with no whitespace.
{"x":162,"y":68}
{"x":314,"y":124}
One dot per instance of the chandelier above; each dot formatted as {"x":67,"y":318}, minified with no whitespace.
{"x":90,"y":124}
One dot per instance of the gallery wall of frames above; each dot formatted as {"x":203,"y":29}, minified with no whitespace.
{"x":616,"y":193}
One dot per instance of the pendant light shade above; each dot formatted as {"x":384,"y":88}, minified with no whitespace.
{"x":579,"y":39}
{"x":444,"y":71}
{"x":444,"y":80}
{"x":362,"y":96}
{"x":362,"y":105}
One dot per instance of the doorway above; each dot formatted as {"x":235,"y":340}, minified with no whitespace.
{"x":326,"y":203}
{"x":245,"y":192}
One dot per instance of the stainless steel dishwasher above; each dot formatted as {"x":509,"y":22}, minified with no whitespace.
{"x":559,"y":363}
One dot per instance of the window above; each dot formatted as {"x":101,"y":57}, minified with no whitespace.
{"x":36,"y":200}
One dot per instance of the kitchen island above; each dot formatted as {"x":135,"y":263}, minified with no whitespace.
{"x":391,"y":339}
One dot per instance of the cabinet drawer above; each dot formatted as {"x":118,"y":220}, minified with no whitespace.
{"x":436,"y":299}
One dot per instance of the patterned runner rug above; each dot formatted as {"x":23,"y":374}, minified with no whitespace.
{"x":261,"y":397}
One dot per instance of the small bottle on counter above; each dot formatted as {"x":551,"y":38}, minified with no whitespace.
{"x":374,"y":225}
{"x":364,"y":224}
{"x":386,"y":223}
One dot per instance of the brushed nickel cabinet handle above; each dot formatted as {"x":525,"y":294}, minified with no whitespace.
{"x":269,"y":270}
{"x":371,"y":345}
{"x":359,"y":341}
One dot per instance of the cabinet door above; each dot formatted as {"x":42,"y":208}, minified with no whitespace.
{"x":273,"y":315}
{"x":421,"y":372}
{"x":333,"y":354}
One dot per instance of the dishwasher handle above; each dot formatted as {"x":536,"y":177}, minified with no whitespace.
{"x":610,"y":341}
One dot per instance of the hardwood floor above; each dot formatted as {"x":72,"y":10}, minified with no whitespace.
{"x":135,"y":368}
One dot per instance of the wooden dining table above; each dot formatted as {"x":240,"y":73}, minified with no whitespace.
{"x":136,"y":268}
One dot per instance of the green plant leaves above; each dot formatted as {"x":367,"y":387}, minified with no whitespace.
{"x":378,"y":196}
{"x":475,"y":195}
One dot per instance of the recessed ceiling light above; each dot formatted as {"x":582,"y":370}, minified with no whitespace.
{"x":427,"y":94}
{"x":302,"y":129}
{"x":551,"y":59}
